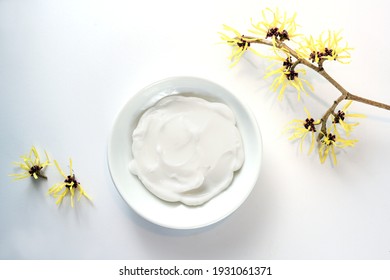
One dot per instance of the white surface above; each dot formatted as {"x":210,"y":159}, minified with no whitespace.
{"x":178,"y":215}
{"x":68,"y":67}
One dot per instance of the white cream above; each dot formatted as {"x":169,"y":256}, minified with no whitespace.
{"x":186,"y":149}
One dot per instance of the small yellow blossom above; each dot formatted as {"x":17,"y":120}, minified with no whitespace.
{"x":239,"y":43}
{"x":302,"y":128}
{"x":277,"y":26}
{"x":31,"y":165}
{"x":329,"y":142}
{"x":341,"y":116}
{"x":287,"y":76}
{"x":326,"y":47}
{"x":70,"y":184}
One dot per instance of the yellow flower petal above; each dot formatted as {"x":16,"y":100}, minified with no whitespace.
{"x":59,"y":169}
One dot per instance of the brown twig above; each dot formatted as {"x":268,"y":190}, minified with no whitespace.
{"x":345,"y":95}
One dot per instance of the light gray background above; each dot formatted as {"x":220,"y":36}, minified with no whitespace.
{"x":68,"y":67}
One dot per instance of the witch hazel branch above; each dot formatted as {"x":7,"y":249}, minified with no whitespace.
{"x":291,"y":50}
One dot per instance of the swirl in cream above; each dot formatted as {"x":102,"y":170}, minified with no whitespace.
{"x":186,"y":149}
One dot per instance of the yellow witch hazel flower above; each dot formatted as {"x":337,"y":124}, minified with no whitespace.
{"x":277,"y":26}
{"x":287,"y":76}
{"x":302,"y":128}
{"x":326,"y":47}
{"x":342,"y":115}
{"x":330,"y":142}
{"x":31,"y":165}
{"x":69,"y":186}
{"x":240,"y":44}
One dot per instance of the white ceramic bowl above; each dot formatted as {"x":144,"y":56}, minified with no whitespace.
{"x":178,"y":215}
